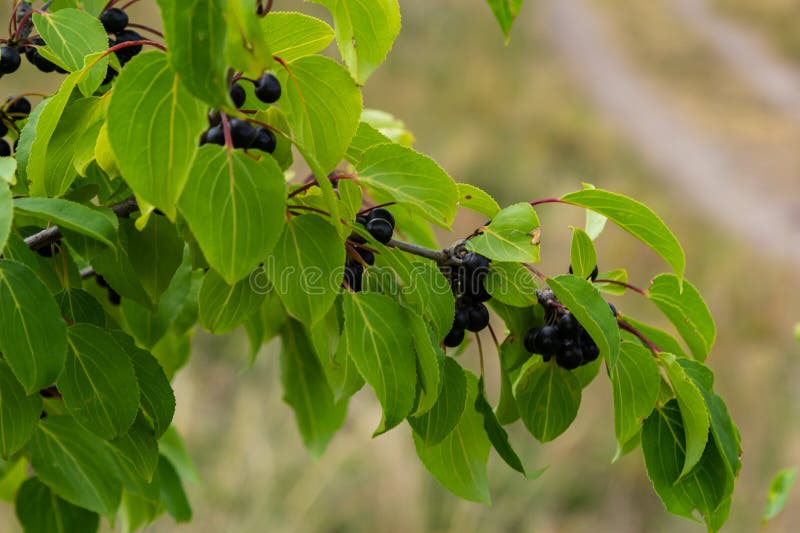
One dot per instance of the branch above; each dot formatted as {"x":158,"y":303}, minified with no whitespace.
{"x":52,"y":234}
{"x":440,"y":256}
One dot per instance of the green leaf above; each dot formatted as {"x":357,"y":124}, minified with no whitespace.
{"x":238,"y":237}
{"x":322,"y":106}
{"x":6,"y":214}
{"x":459,"y":461}
{"x":172,"y":492}
{"x":511,"y":284}
{"x":593,"y":313}
{"x":660,"y":338}
{"x":33,"y":336}
{"x":778,"y":493}
{"x":79,"y":306}
{"x":295,"y":35}
{"x":694,"y":413}
{"x":8,"y":169}
{"x":582,"y":257}
{"x":505,"y":11}
{"x":476,"y":199}
{"x":497,"y":435}
{"x":223,"y":308}
{"x":687,"y":311}
{"x":365,"y":138}
{"x":137,"y":451}
{"x":306,"y":390}
{"x":172,"y":447}
{"x":19,"y":413}
{"x":150,"y":107}
{"x":156,"y":399}
{"x":428,"y":371}
{"x":432,"y":427}
{"x":76,"y":465}
{"x":267,"y":323}
{"x":98,"y":383}
{"x":58,"y":172}
{"x":389,"y":126}
{"x":117,"y":269}
{"x":706,"y":488}
{"x":71,"y":35}
{"x":619,"y":274}
{"x":39,"y":510}
{"x":400,"y":174}
{"x":246,"y":47}
{"x":374,"y":328}
{"x":12,"y":474}
{"x":189,"y":27}
{"x":511,"y":236}
{"x":635,"y":218}
{"x":635,"y":381}
{"x":306,"y":267}
{"x":548,"y":398}
{"x":365,"y":32}
{"x":98,"y":223}
{"x":155,"y":254}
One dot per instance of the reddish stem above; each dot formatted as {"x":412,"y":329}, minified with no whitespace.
{"x":547,"y":201}
{"x":630,"y":329}
{"x":226,"y":129}
{"x":271,"y":128}
{"x":146,"y":28}
{"x":634,"y":288}
{"x":129,"y":4}
{"x":367,"y":210}
{"x":308,"y":208}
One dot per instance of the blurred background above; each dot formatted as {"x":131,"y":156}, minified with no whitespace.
{"x":692,"y":107}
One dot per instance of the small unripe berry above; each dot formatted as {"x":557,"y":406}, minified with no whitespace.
{"x":114,"y":20}
{"x":267,"y":88}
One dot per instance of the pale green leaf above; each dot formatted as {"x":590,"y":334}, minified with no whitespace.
{"x":505,"y":11}
{"x":511,"y":284}
{"x":548,"y":398}
{"x":478,"y":200}
{"x":778,"y":493}
{"x":224,"y":307}
{"x":582,"y":256}
{"x":8,"y":170}
{"x":6,"y":214}
{"x":295,"y":35}
{"x":635,"y":381}
{"x":512,"y":235}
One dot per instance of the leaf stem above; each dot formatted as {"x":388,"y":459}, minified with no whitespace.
{"x":547,"y":201}
{"x":309,"y":208}
{"x":226,"y":129}
{"x":146,"y":28}
{"x":480,"y":351}
{"x":634,"y":288}
{"x":641,"y":336}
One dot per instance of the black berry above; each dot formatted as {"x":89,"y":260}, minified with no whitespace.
{"x":568,"y":326}
{"x":46,"y":251}
{"x":18,"y":106}
{"x":570,"y":356}
{"x":547,"y":341}
{"x":238,"y":95}
{"x":594,"y":274}
{"x":462,"y":318}
{"x":9,"y":60}
{"x":265,"y":140}
{"x":475,"y":262}
{"x":101,"y":281}
{"x":367,"y":256}
{"x":380,"y":212}
{"x":114,"y":297}
{"x":353,"y":276}
{"x":3,"y":129}
{"x":477,"y":317}
{"x":5,"y":149}
{"x":214,"y":135}
{"x":381,"y":229}
{"x":242,"y":133}
{"x":530,"y":340}
{"x":36,"y":59}
{"x":613,"y":309}
{"x":129,"y":52}
{"x":454,"y":338}
{"x":114,"y":20}
{"x":268,"y":88}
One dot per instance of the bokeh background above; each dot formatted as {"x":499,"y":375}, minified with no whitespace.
{"x":691,"y":106}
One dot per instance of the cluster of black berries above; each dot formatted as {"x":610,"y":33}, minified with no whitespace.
{"x":563,"y":337}
{"x":379,"y":222}
{"x":243,"y":134}
{"x":16,"y":108}
{"x":113,"y":296}
{"x":468,"y":283}
{"x":115,"y":22}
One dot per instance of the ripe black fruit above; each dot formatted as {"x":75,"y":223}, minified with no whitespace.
{"x":454,"y":338}
{"x":592,"y":276}
{"x":530,"y":339}
{"x":268,"y":88}
{"x":9,"y":60}
{"x":237,"y":95}
{"x":353,"y":276}
{"x":381,"y":229}
{"x":570,"y":356}
{"x":46,"y":251}
{"x":215,"y":135}
{"x":265,"y":140}
{"x":129,"y":52}
{"x":3,"y":129}
{"x":114,"y":297}
{"x":475,"y":293}
{"x":114,"y":20}
{"x":36,"y":59}
{"x":367,"y":256}
{"x":380,"y":212}
{"x":19,"y":106}
{"x":462,"y":318}
{"x":475,"y":262}
{"x":568,"y":326}
{"x":5,"y":149}
{"x":547,"y":341}
{"x":613,"y":309}
{"x":477,"y":317}
{"x":242,"y":133}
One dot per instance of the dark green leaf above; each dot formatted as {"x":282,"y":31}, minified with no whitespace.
{"x":548,"y":398}
{"x":19,"y":413}
{"x":39,"y":510}
{"x":33,"y":336}
{"x":687,"y":311}
{"x":635,"y":381}
{"x":223,"y":307}
{"x":497,"y":435}
{"x":432,"y":427}
{"x":137,"y":451}
{"x":76,"y":464}
{"x":78,"y":306}
{"x":98,"y":223}
{"x":172,"y":493}
{"x":155,"y":253}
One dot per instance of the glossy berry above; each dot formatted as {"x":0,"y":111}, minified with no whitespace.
{"x":46,"y":251}
{"x":214,"y":135}
{"x":381,"y":229}
{"x":367,"y":256}
{"x":570,"y":356}
{"x":37,"y":60}
{"x":3,"y":129}
{"x":114,"y":20}
{"x":237,"y":95}
{"x":353,"y":276}
{"x":380,"y":212}
{"x":461,"y":318}
{"x":265,"y":140}
{"x":476,"y":293}
{"x":547,"y":341}
{"x":568,"y":326}
{"x":594,"y":274}
{"x":5,"y":149}
{"x":9,"y":60}
{"x":268,"y":88}
{"x":477,"y":317}
{"x":214,"y":118}
{"x":454,"y":338}
{"x":126,"y":54}
{"x":242,"y":133}
{"x":475,"y":262}
{"x":19,"y":106}
{"x":590,"y":352}
{"x":530,"y":339}
{"x":110,"y":75}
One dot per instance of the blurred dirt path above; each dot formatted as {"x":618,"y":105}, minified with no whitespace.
{"x":774,"y":80}
{"x":703,"y":171}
